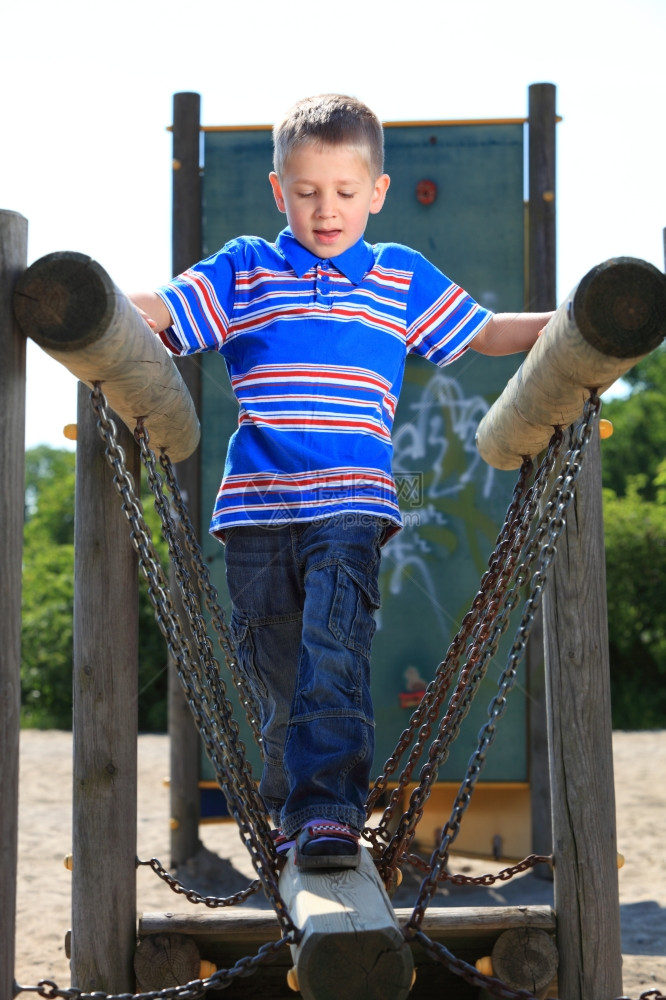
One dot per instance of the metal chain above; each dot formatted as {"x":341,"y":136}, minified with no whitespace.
{"x":189,"y":991}
{"x":210,"y":595}
{"x":493,"y":605}
{"x":471,"y":975}
{"x":429,"y":706}
{"x":468,"y":973}
{"x":551,"y":523}
{"x":192,"y":896}
{"x":199,"y":631}
{"x":502,"y":876}
{"x":199,"y":676}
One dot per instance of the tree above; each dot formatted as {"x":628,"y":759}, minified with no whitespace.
{"x":634,"y":480}
{"x":637,"y":445}
{"x":635,"y":531}
{"x":48,"y":602}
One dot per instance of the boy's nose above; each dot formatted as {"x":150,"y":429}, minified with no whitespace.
{"x":326,"y":208}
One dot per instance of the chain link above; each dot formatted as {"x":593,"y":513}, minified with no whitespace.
{"x":214,"y":902}
{"x":209,"y":593}
{"x":471,"y":975}
{"x":480,"y":632}
{"x":199,"y":675}
{"x":427,"y":711}
{"x":541,"y":550}
{"x":502,"y":876}
{"x":189,"y":991}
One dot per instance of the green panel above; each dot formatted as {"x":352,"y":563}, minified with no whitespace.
{"x":237,"y":196}
{"x":453,"y":503}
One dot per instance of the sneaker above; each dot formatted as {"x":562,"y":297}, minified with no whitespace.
{"x":325,"y":843}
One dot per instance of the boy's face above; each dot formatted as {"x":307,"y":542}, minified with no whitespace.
{"x":327,"y":194}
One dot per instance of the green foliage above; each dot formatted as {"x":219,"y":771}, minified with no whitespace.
{"x":48,"y":600}
{"x":650,"y":373}
{"x":634,"y":479}
{"x":635,"y":531}
{"x":637,"y":445}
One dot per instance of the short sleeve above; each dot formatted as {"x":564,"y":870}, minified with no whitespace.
{"x":201,"y":302}
{"x":442,"y":318}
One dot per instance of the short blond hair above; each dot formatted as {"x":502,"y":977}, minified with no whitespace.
{"x":330,"y":120}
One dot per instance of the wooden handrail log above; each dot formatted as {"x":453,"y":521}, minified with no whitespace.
{"x":614,"y":317}
{"x":68,"y":304}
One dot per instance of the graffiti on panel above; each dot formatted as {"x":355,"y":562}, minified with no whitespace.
{"x":435,"y":458}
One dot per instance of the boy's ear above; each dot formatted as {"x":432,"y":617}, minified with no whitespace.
{"x":379,"y":195}
{"x":277,"y":191}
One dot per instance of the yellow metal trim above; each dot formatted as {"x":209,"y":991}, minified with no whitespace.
{"x":459,"y":121}
{"x":399,"y":124}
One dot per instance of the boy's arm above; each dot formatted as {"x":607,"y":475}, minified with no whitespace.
{"x":153,"y":310}
{"x":508,"y":333}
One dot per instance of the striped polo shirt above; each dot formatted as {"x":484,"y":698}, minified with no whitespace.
{"x":315,"y":351}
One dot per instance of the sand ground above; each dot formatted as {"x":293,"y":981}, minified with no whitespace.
{"x":44,"y":885}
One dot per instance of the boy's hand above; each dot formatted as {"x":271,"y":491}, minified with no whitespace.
{"x":153,"y":310}
{"x":144,"y":315}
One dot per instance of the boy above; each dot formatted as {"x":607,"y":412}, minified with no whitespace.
{"x":314,"y":330}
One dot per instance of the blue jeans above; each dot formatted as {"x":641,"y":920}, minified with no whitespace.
{"x":304,"y":596}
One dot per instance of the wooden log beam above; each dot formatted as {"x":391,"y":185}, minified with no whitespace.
{"x":251,"y":927}
{"x":614,"y":317}
{"x":68,"y":304}
{"x":13,"y":253}
{"x":352,"y":945}
{"x":525,"y":958}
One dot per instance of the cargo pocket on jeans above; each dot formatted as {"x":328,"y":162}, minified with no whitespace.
{"x":241,"y":634}
{"x":355,"y":600}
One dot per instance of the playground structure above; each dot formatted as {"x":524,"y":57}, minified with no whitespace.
{"x":586,"y":918}
{"x":586,"y":908}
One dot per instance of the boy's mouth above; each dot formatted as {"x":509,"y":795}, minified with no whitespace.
{"x":327,"y":235}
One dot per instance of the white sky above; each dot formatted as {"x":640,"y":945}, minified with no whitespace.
{"x":88,"y":89}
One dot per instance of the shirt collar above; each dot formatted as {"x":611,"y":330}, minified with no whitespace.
{"x":354,"y":263}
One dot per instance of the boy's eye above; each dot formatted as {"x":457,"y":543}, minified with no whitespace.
{"x":346,"y":194}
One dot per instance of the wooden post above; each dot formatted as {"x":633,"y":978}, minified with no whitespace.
{"x":184,"y":742}
{"x":352,"y":945}
{"x":541,"y":297}
{"x":105,"y":694}
{"x":13,"y":256}
{"x":70,"y":306}
{"x":541,"y":293}
{"x":581,"y":753}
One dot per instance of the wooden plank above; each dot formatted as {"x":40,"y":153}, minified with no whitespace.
{"x":69,"y":305}
{"x":105,"y":691}
{"x":581,"y":758}
{"x":614,"y":317}
{"x":256,"y":926}
{"x":13,"y":254}
{"x":348,"y":923}
{"x":225,"y":936}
